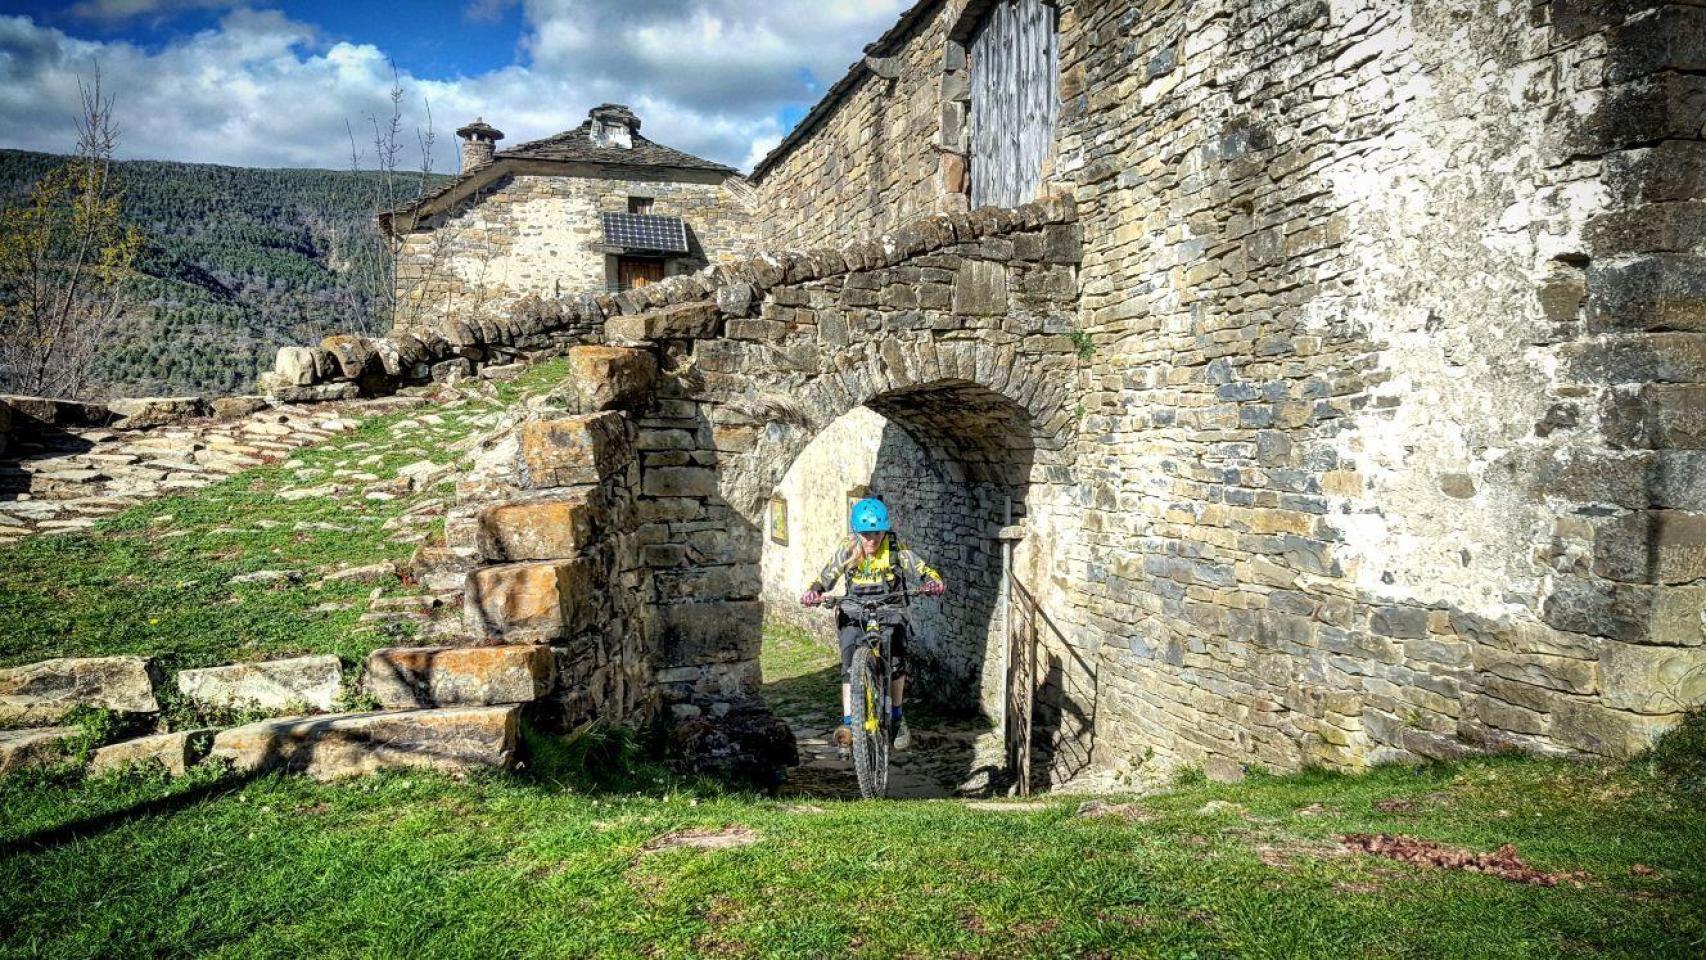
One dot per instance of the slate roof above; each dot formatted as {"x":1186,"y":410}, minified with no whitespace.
{"x":570,"y":146}
{"x":577,"y":146}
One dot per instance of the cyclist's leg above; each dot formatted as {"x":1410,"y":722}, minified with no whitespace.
{"x":849,"y":637}
{"x":897,"y":654}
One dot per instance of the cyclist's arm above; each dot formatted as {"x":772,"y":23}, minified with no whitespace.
{"x":910,"y":561}
{"x":831,"y":572}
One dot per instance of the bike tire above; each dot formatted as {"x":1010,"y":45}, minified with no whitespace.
{"x":870,"y":750}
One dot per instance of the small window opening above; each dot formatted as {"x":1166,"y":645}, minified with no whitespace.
{"x":639,"y":204}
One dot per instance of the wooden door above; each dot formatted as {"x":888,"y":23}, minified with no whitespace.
{"x":631,"y":272}
{"x":1015,"y":95}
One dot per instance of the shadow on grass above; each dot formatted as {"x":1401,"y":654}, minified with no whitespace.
{"x":59,"y":835}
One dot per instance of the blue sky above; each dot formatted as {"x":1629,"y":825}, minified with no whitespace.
{"x":274,"y":83}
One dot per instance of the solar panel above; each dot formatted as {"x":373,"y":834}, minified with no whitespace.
{"x":644,"y":231}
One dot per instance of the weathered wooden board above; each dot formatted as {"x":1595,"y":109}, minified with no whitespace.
{"x":1014,"y":100}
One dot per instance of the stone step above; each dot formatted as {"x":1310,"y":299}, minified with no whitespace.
{"x":294,"y":685}
{"x":39,"y":747}
{"x":46,"y":692}
{"x":176,"y":752}
{"x":405,"y":677}
{"x":452,"y":740}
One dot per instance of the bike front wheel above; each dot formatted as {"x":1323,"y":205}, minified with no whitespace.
{"x":870,"y":725}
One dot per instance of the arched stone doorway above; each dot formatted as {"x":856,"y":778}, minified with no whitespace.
{"x":953,"y":462}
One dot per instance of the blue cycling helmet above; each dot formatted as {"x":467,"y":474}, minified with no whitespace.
{"x":870,"y":516}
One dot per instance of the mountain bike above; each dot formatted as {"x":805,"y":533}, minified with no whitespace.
{"x":869,"y":677}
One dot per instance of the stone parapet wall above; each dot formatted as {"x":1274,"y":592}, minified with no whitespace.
{"x":539,"y":236}
{"x":348,"y":366}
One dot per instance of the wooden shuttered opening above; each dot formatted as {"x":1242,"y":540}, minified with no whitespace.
{"x":1015,"y":95}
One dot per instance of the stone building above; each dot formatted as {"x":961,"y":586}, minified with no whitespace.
{"x":596,"y":208}
{"x":1300,"y":382}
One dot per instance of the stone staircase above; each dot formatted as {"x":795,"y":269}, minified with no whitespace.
{"x":453,"y":709}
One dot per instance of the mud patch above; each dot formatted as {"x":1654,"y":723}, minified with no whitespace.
{"x":703,"y":839}
{"x":1502,"y":863}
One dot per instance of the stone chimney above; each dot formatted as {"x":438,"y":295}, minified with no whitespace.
{"x":614,"y":125}
{"x":479,"y":142}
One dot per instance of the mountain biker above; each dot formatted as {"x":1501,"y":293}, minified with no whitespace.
{"x":875,"y":562}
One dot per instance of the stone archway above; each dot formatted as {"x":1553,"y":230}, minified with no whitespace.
{"x":953,"y":461}
{"x":669,"y":441}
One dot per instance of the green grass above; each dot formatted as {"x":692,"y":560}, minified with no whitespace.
{"x":801,"y":675}
{"x":552,"y":861}
{"x":155,"y":579}
{"x":543,"y":864}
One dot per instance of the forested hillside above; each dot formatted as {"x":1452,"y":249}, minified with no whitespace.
{"x":237,"y":263}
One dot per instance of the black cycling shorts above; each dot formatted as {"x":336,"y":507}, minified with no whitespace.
{"x":853,"y":634}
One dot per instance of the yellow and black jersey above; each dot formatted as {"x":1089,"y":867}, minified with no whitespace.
{"x":881,"y":570}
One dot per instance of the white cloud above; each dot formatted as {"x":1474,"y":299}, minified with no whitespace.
{"x":706,"y":76}
{"x":120,"y":10}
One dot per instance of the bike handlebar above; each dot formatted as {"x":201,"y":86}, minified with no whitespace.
{"x":872,"y":600}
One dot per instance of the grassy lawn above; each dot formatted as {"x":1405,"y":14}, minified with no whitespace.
{"x":155,"y":579}
{"x":543,"y":864}
{"x":552,"y":861}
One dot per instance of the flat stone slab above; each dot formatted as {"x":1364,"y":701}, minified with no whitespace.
{"x":156,"y":411}
{"x":312,"y":683}
{"x":453,"y":740}
{"x":529,"y":602}
{"x":33,"y":748}
{"x":177,"y":752}
{"x":45,"y":692}
{"x":409,"y":677}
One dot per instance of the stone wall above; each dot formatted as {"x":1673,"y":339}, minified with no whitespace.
{"x":538,"y":236}
{"x":873,"y":162}
{"x":1362,"y":285}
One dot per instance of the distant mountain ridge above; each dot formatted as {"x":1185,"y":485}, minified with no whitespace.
{"x":239,"y":261}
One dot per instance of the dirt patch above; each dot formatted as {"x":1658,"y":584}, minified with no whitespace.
{"x":1347,"y":886}
{"x":703,"y":839}
{"x":1123,"y":811}
{"x":1283,"y":854}
{"x":1502,"y":863}
{"x":1410,"y":804}
{"x":1006,"y":806}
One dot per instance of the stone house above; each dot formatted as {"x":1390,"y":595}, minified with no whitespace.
{"x":1299,"y":382}
{"x":596,"y":208}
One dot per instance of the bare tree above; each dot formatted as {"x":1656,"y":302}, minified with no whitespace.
{"x":393,"y":188}
{"x":65,"y":259}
